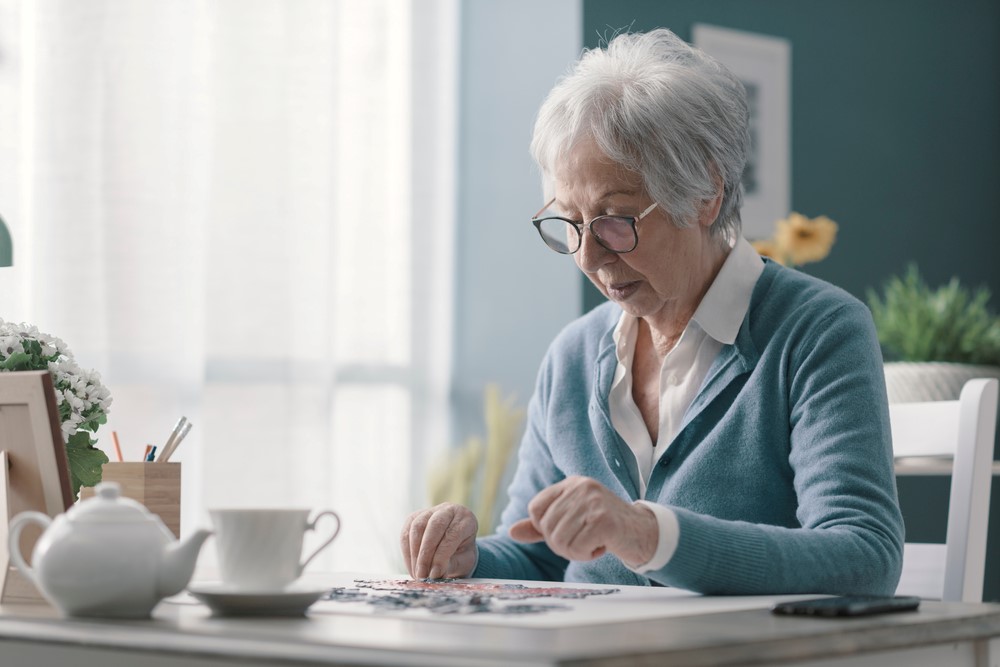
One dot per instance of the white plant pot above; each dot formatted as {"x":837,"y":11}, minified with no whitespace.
{"x":914,"y":382}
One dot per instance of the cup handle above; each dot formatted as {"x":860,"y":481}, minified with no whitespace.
{"x":312,"y":526}
{"x":14,"y":540}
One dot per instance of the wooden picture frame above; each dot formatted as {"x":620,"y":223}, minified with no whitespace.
{"x":34,"y":474}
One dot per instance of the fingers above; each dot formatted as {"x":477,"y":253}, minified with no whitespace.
{"x":404,"y":543}
{"x":543,"y":500}
{"x":576,"y":518}
{"x":439,"y":542}
{"x":438,"y":545}
{"x":464,"y":561}
{"x":525,"y":531}
{"x":573,"y":531}
{"x":415,"y":536}
{"x":455,"y":555}
{"x":584,"y":539}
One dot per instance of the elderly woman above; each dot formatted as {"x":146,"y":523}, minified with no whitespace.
{"x":721,"y":425}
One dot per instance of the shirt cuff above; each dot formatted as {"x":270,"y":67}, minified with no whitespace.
{"x":669,"y":529}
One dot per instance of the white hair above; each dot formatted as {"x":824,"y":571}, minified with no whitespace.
{"x":659,"y":107}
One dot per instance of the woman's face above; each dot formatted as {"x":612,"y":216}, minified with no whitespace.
{"x":665,"y":277}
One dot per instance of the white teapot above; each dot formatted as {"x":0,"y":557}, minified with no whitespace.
{"x":106,"y":556}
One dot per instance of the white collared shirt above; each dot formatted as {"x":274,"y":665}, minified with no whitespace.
{"x":715,"y":323}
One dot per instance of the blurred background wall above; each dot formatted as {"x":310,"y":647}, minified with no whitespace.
{"x":895,"y":124}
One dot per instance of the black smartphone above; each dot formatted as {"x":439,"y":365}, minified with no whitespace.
{"x":849,"y":605}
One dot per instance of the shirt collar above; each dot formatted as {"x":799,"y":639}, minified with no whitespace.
{"x":725,"y":304}
{"x":624,"y":336}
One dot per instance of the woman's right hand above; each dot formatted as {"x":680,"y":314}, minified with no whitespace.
{"x":440,"y":542}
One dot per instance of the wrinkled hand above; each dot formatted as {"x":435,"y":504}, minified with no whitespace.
{"x":440,"y":542}
{"x":580,"y":519}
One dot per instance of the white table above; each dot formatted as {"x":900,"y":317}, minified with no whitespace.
{"x":731,"y":631}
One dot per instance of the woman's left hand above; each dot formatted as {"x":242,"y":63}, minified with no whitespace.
{"x":580,"y":519}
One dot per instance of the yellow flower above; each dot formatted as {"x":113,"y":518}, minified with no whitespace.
{"x":768,"y":248}
{"x":799,"y":240}
{"x":802,"y":240}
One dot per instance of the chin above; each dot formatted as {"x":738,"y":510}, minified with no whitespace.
{"x":632,"y":308}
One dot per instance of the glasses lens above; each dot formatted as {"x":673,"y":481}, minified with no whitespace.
{"x":615,"y":233}
{"x":559,"y":235}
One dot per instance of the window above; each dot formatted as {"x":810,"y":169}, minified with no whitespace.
{"x":242,"y":212}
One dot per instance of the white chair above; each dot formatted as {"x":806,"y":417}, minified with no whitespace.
{"x":962,"y":429}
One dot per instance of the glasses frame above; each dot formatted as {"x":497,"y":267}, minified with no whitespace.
{"x":589,"y":226}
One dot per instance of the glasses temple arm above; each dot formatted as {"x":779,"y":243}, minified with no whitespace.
{"x":551,"y":201}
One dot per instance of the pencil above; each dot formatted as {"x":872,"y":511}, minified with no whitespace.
{"x":118,"y":447}
{"x":166,"y":454}
{"x":173,"y":435}
{"x":149,"y":448}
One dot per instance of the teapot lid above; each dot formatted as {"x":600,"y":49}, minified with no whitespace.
{"x":108,"y":506}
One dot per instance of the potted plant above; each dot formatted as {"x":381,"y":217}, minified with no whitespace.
{"x":83,"y":399}
{"x":934,"y":340}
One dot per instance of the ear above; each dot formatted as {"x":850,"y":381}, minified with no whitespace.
{"x":709,"y":209}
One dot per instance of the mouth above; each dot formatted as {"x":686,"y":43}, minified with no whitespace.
{"x":622,"y":291}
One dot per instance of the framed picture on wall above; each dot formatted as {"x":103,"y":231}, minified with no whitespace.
{"x":763,"y":64}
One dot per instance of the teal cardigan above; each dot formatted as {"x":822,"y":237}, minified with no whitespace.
{"x":781,"y":475}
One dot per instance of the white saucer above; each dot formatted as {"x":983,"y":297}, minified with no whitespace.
{"x":227,"y":601}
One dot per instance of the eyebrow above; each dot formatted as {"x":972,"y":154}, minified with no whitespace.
{"x":606,"y":196}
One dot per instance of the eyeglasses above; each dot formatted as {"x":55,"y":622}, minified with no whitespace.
{"x":614,"y":232}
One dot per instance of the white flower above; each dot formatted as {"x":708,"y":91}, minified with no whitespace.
{"x":75,"y":402}
{"x":80,"y":390}
{"x":10,"y":345}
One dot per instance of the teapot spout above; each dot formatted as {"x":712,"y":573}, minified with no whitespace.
{"x":177,"y":564}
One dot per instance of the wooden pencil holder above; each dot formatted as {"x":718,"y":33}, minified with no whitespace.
{"x":155,"y":485}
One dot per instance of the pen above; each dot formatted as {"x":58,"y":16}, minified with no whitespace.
{"x":145,"y":454}
{"x":152,"y":454}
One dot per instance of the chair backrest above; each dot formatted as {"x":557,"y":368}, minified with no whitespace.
{"x":963,"y":429}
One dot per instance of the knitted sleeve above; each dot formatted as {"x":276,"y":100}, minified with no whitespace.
{"x":830,"y":418}
{"x":500,"y":557}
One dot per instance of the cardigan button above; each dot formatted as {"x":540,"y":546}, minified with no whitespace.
{"x":664,"y":461}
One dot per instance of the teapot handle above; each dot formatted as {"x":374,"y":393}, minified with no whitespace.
{"x":16,"y":526}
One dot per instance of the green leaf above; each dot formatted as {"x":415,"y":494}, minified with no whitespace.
{"x":85,"y":461}
{"x":33,"y":347}
{"x":918,"y":323}
{"x":19,"y":361}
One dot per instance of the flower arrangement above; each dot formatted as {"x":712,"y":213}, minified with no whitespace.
{"x":83,"y":400}
{"x":456,"y":479}
{"x":948,"y":324}
{"x":799,"y":240}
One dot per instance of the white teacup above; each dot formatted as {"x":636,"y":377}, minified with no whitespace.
{"x":261,"y":549}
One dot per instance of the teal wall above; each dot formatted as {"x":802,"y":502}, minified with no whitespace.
{"x":895,"y":135}
{"x":895,"y":125}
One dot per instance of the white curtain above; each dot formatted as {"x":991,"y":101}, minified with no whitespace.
{"x":242,"y":211}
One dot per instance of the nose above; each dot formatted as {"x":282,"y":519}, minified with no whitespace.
{"x":592,"y":255}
